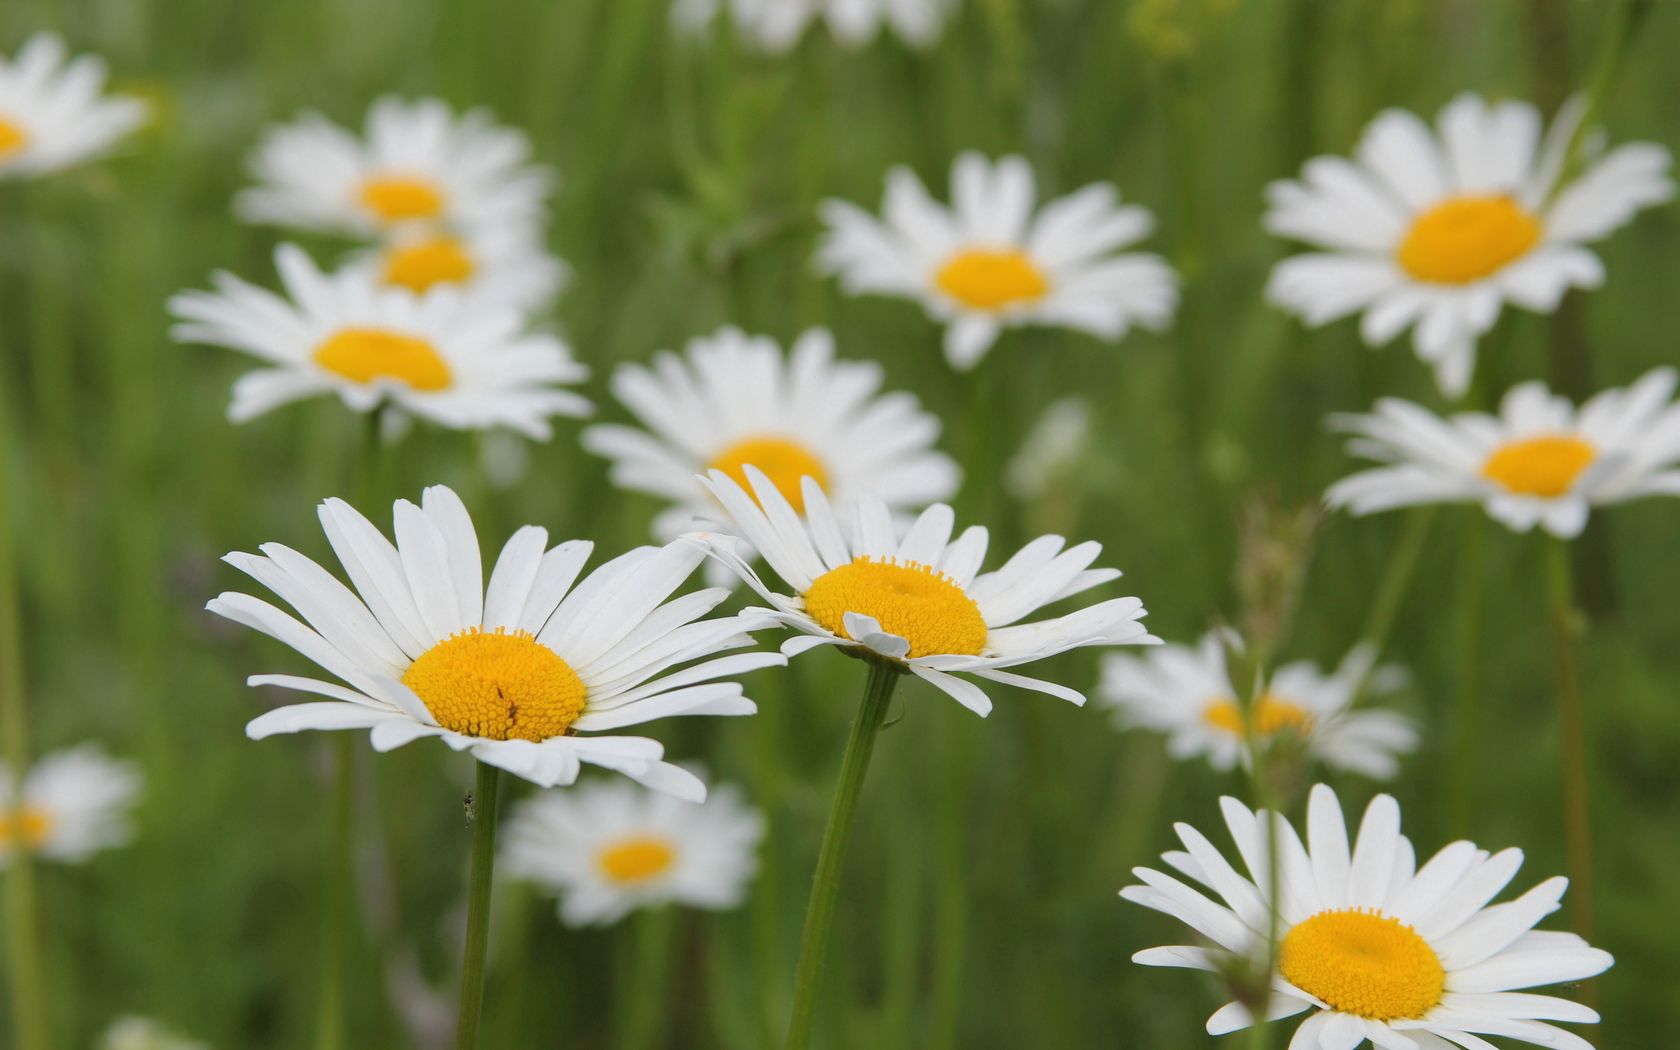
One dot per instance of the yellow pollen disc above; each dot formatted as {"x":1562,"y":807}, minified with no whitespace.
{"x":909,"y":600}
{"x":28,"y":827}
{"x":1545,"y":466}
{"x":991,"y":280}
{"x":784,"y":462}
{"x":363,"y":355}
{"x":401,"y":198}
{"x":437,"y":260}
{"x":504,"y":685}
{"x":637,"y":859}
{"x":1464,"y":239}
{"x":1271,"y":715}
{"x":1364,"y":964}
{"x":12,"y":138}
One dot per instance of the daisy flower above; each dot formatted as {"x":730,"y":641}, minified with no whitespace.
{"x":608,"y":848}
{"x":988,"y":262}
{"x":417,"y":163}
{"x":777,"y":25}
{"x":1374,"y":946}
{"x":918,"y":600}
{"x":734,"y":399}
{"x":1438,"y":229}
{"x":52,"y":115}
{"x":70,"y":806}
{"x":1186,"y":693}
{"x":440,"y":356}
{"x":1540,"y":461}
{"x":511,"y":671}
{"x":499,"y":265}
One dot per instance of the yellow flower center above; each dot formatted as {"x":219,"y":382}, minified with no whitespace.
{"x":503,"y":685}
{"x":13,"y":138}
{"x":1364,"y":964}
{"x":27,"y":827}
{"x":1464,"y":239}
{"x":1271,"y":715}
{"x":636,"y":859}
{"x":988,"y":279}
{"x":401,"y":198}
{"x":1544,"y":466}
{"x":784,"y":462}
{"x":909,"y":600}
{"x":363,"y":355}
{"x":436,"y":260}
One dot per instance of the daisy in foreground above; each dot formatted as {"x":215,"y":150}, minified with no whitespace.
{"x":443,"y":357}
{"x":417,"y":163}
{"x":988,"y":262}
{"x":1185,"y":692}
{"x":72,"y":805}
{"x":733,"y":399}
{"x":1376,"y":947}
{"x":52,"y":115}
{"x":777,"y":25}
{"x":1438,"y":229}
{"x":609,"y":847}
{"x":1540,"y":461}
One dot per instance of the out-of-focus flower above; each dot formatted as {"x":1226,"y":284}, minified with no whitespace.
{"x":143,"y":1033}
{"x":607,"y":848}
{"x":1540,"y":461}
{"x":1437,"y":230}
{"x":72,"y":805}
{"x":777,"y":25}
{"x":52,"y":115}
{"x":989,"y":261}
{"x":1052,"y":449}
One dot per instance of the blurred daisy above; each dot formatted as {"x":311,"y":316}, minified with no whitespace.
{"x":417,"y":163}
{"x":1377,"y":948}
{"x":141,"y":1033}
{"x":1540,"y":461}
{"x":919,"y":601}
{"x":1437,"y":230}
{"x":443,"y":357}
{"x":988,"y":262}
{"x":1185,"y":692}
{"x":777,"y":25}
{"x":1052,"y":451}
{"x":52,"y":115}
{"x":734,"y":399}
{"x":72,"y":805}
{"x":500,"y":265}
{"x":608,"y":848}
{"x":511,"y":671}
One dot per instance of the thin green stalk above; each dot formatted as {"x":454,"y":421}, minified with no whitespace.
{"x":1260,"y":790}
{"x":825,"y":885}
{"x":1397,"y":577}
{"x":485,"y":797}
{"x":1616,"y":44}
{"x":1467,"y":676}
{"x":1577,"y":816}
{"x":646,"y":1006}
{"x":330,"y":1027}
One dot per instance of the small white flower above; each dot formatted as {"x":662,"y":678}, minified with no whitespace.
{"x":920,"y":600}
{"x":449,"y":359}
{"x":1373,"y":945}
{"x":1436,"y":230}
{"x":418,"y":163}
{"x":988,"y":262}
{"x":1185,"y":692}
{"x":143,"y":1033}
{"x":72,"y":805}
{"x":608,"y":848}
{"x":777,"y":25}
{"x":511,"y":671}
{"x":500,"y":265}
{"x":733,"y":399}
{"x":52,"y":115}
{"x":1540,"y":461}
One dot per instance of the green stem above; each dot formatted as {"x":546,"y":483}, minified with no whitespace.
{"x":1577,"y":817}
{"x":485,"y":797}
{"x":1397,"y":576}
{"x":647,"y":1005}
{"x":825,"y":885}
{"x":330,"y":1027}
{"x":1467,"y":678}
{"x":1613,"y":50}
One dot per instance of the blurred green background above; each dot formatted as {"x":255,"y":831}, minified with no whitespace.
{"x":979,"y":906}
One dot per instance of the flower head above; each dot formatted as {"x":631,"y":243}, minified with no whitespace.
{"x":777,"y":25}
{"x":607,"y":848}
{"x":1373,"y":945}
{"x":52,"y":115}
{"x":1540,"y":461}
{"x":497,"y":266}
{"x":513,"y":670}
{"x":1436,"y":230}
{"x":72,"y":804}
{"x":988,"y":262}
